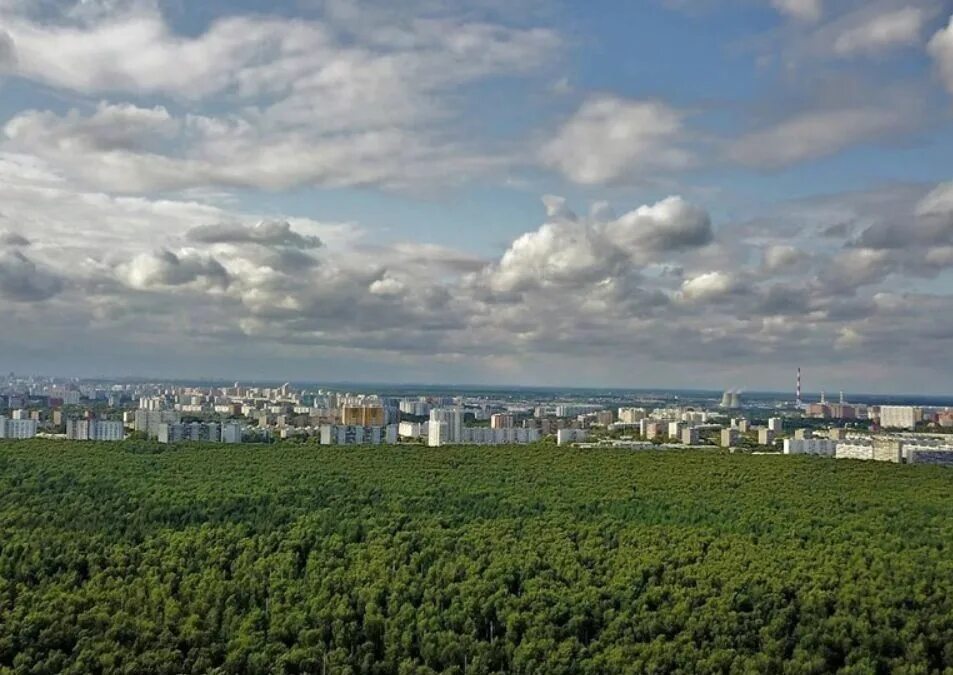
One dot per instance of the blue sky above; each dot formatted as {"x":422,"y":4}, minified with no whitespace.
{"x":671,"y":192}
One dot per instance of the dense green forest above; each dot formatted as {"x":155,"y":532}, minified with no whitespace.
{"x":302,"y":559}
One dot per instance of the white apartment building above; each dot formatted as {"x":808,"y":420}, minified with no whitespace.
{"x":631,"y":415}
{"x":823,"y":447}
{"x":150,"y":420}
{"x":854,"y":450}
{"x":446,"y":426}
{"x":690,"y":436}
{"x":95,"y":430}
{"x":349,"y":434}
{"x":17,"y":429}
{"x":570,"y":436}
{"x":776,"y":424}
{"x":413,"y":429}
{"x":232,"y":432}
{"x":481,"y":436}
{"x":899,"y":417}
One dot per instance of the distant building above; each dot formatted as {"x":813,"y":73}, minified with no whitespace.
{"x":837,"y":434}
{"x":886,"y":449}
{"x":197,"y":432}
{"x":803,"y":434}
{"x":502,"y":421}
{"x":776,"y":424}
{"x":810,"y":446}
{"x":854,"y":450}
{"x":17,"y":429}
{"x":149,"y":420}
{"x":451,"y":432}
{"x":690,"y":436}
{"x":631,"y":415}
{"x":412,"y":429}
{"x":675,"y":429}
{"x":765,"y":437}
{"x":939,"y":456}
{"x":95,"y":430}
{"x":341,"y":434}
{"x":729,"y":438}
{"x":650,"y":430}
{"x":899,"y":417}
{"x":569,"y":436}
{"x":363,"y":415}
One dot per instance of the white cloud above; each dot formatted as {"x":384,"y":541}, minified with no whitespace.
{"x":166,"y":268}
{"x":802,"y":10}
{"x":709,"y":287}
{"x":567,"y":251}
{"x":898,"y":28}
{"x":780,"y":258}
{"x":941,"y":49}
{"x":815,"y":134}
{"x":610,"y":139}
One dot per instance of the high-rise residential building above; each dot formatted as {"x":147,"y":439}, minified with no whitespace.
{"x":95,"y":430}
{"x":453,"y":418}
{"x":438,"y":433}
{"x":675,"y":429}
{"x":899,"y":417}
{"x":776,"y":424}
{"x":345,"y":434}
{"x":886,"y":449}
{"x":148,"y":421}
{"x":363,"y":415}
{"x":502,"y":421}
{"x":17,"y":429}
{"x":631,"y":415}
{"x":729,"y":438}
{"x":765,"y":437}
{"x":690,"y":436}
{"x":810,"y":446}
{"x":570,"y":436}
{"x":803,"y":434}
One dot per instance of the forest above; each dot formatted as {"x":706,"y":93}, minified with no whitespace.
{"x":128,"y":558}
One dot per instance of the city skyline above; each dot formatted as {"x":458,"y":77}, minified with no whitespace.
{"x":680,"y":193}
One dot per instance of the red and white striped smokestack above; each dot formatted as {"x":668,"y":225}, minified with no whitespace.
{"x":798,"y":387}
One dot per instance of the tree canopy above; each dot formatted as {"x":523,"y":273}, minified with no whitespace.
{"x":295,"y":558}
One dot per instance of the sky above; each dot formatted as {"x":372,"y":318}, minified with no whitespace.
{"x":683,"y":193}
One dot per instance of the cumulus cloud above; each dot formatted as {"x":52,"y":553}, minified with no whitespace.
{"x":897,"y":28}
{"x":610,"y":138}
{"x":569,"y":251}
{"x":315,"y":107}
{"x":22,"y":280}
{"x":165,"y":268}
{"x":780,"y":258}
{"x":815,"y":134}
{"x":941,"y":49}
{"x":930,"y":225}
{"x":109,"y":128}
{"x":709,"y":287}
{"x":265,"y":233}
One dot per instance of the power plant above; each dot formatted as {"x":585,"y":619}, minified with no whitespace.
{"x":731,"y":400}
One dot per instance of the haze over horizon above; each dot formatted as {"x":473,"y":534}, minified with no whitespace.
{"x":675,"y":193}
